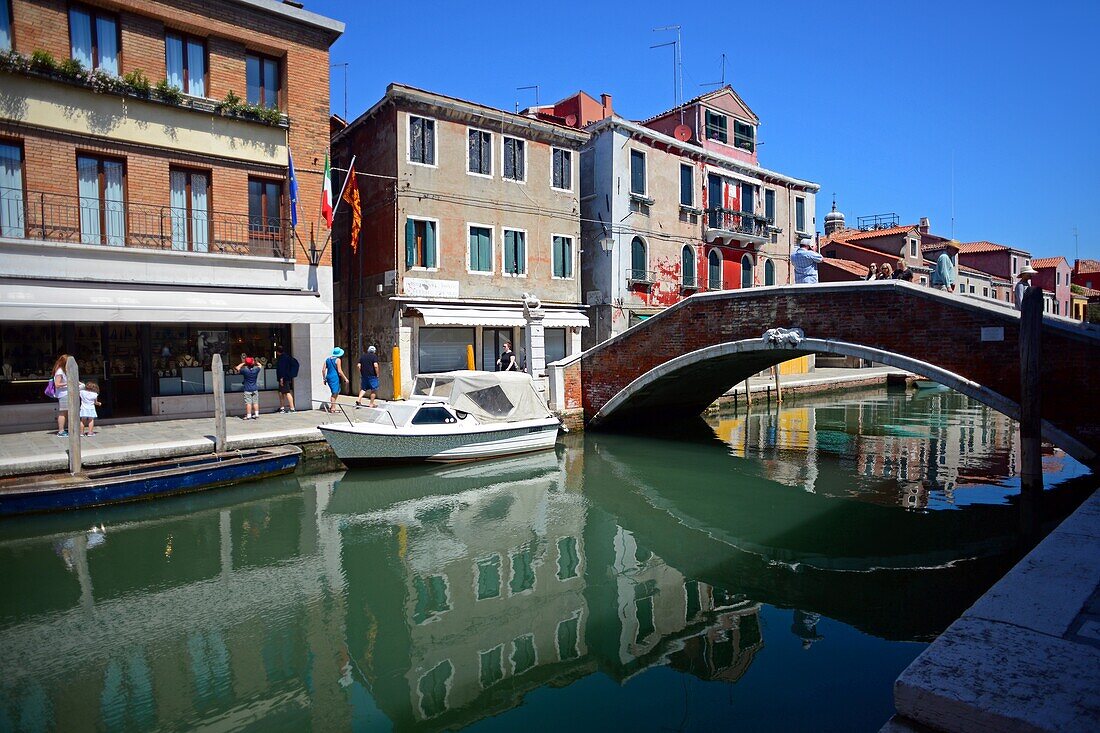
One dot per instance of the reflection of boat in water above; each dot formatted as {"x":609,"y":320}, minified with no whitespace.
{"x":926,"y":384}
{"x":453,"y":416}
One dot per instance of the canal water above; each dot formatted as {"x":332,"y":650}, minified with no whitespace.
{"x":774,"y":571}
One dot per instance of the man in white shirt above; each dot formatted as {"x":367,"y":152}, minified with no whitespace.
{"x":805,"y":262}
{"x":1023,"y":284}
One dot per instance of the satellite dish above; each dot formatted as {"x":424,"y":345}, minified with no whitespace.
{"x":571,"y":120}
{"x":682,"y":133}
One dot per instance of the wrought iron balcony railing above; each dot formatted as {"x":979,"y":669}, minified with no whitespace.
{"x":738,"y":222}
{"x":641,"y":277}
{"x":85,"y":220}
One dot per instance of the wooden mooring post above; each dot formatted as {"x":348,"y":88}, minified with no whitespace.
{"x":748,"y":395}
{"x":1031,"y":460}
{"x":218,"y":372}
{"x":72,"y":380}
{"x":778,"y":390}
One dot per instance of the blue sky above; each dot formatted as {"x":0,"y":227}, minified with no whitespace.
{"x":870,"y":99}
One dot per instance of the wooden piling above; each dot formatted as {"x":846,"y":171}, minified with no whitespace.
{"x":72,"y":379}
{"x":218,"y":372}
{"x":1031,"y":461}
{"x":778,"y":391}
{"x":748,"y":395}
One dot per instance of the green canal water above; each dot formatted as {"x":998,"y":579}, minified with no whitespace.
{"x":774,"y":571}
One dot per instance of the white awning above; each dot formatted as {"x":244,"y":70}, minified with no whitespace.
{"x":32,"y":301}
{"x":443,"y":315}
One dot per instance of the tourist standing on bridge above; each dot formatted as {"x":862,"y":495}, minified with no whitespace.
{"x":903,"y":272}
{"x":1021,"y":287}
{"x":805,"y":260}
{"x":943,"y":274}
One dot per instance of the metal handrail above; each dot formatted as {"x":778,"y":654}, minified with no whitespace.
{"x":39,"y":215}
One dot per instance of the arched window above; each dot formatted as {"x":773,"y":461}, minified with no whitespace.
{"x":687,"y":266}
{"x":714,"y":270}
{"x":746,"y":271}
{"x":637,"y":259}
{"x":769,"y":272}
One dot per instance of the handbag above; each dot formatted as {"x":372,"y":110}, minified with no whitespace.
{"x":51,"y":390}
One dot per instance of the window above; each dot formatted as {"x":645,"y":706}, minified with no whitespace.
{"x":1057,"y":278}
{"x":481,"y":249}
{"x":746,"y":271}
{"x":433,"y":688}
{"x":421,"y":141}
{"x":912,"y":248}
{"x":190,"y":201}
{"x":769,"y":205}
{"x":185,"y":60}
{"x":433,"y":416}
{"x":262,"y":80}
{"x":5,"y":25}
{"x":687,"y":185}
{"x":691,"y":591}
{"x":769,"y":272}
{"x":748,"y":198}
{"x":687,"y":267}
{"x":479,"y":158}
{"x":716,"y":127}
{"x":492,"y":345}
{"x":523,"y":571}
{"x":523,"y":654}
{"x":431,"y":597}
{"x":442,"y":349}
{"x":562,"y":256}
{"x":556,"y":340}
{"x":714,"y":270}
{"x":515,"y":252}
{"x":491,"y":665}
{"x":102,"y":184}
{"x":1014,"y":265}
{"x":568,"y":559}
{"x":420,"y":243}
{"x":94,"y":39}
{"x":638,"y":259}
{"x":800,"y":214}
{"x":515,"y":168}
{"x":985,"y":292}
{"x":637,"y":172}
{"x":568,"y":635}
{"x":972,"y":288}
{"x":11,"y":189}
{"x":562,"y":164}
{"x":744,"y":136}
{"x":488,"y":578}
{"x":265,"y":200}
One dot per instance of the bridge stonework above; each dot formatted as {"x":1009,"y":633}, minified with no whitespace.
{"x":919,"y":325}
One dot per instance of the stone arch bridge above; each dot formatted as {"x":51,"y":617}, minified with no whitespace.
{"x":681,"y":360}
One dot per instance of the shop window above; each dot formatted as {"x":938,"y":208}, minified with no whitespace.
{"x":523,"y":571}
{"x":94,"y":39}
{"x":262,"y":80}
{"x":716,"y":125}
{"x":515,"y":252}
{"x":12,"y":222}
{"x":491,"y":666}
{"x":481,"y":249}
{"x":556,"y":344}
{"x":27,"y":353}
{"x":562,"y":173}
{"x":421,"y":246}
{"x":488,"y":578}
{"x":515,"y":168}
{"x":190,"y":202}
{"x":431,"y":597}
{"x":479,"y":159}
{"x":185,"y":62}
{"x":182,"y":356}
{"x":443,"y":349}
{"x":568,"y":559}
{"x":101,"y":183}
{"x":524,"y":656}
{"x":433,"y":689}
{"x":568,"y":638}
{"x":562,"y":256}
{"x":421,"y":140}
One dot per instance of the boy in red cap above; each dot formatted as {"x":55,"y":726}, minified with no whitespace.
{"x":251,"y":373}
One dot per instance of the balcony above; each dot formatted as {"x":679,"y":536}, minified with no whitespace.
{"x":81,"y":220}
{"x":740,"y":225}
{"x":689,"y":282}
{"x":641,"y":278}
{"x":716,"y":283}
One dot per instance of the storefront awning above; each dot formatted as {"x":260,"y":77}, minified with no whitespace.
{"x":22,"y":300}
{"x":462,"y":316}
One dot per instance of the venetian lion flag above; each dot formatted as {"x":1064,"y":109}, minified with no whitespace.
{"x":326,"y":194}
{"x":351,"y":195}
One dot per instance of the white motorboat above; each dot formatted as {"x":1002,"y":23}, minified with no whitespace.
{"x":451,"y":416}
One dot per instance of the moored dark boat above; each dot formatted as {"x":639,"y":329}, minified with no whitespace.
{"x":144,"y":480}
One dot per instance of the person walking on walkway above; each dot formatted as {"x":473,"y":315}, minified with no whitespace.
{"x":61,"y":392}
{"x":805,"y":262}
{"x":368,"y":376}
{"x":251,"y":373}
{"x":507,"y":360}
{"x":286,"y":369}
{"x":332,"y":374}
{"x":902,"y":272}
{"x":943,"y":274}
{"x":1022,"y":286}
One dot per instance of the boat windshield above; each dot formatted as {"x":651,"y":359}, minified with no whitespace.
{"x":432,"y":386}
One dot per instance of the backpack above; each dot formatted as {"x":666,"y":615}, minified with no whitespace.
{"x":293,"y":368}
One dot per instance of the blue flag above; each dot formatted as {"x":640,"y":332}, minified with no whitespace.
{"x":293,"y":194}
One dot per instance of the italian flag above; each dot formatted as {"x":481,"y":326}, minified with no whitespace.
{"x":326,"y":194}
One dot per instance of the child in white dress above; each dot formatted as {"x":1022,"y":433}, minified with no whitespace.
{"x":89,"y":400}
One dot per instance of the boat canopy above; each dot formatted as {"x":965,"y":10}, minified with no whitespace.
{"x":488,"y":396}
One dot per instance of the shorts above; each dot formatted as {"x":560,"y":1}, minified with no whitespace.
{"x":286,"y":386}
{"x":252,"y":398}
{"x":369,"y":384}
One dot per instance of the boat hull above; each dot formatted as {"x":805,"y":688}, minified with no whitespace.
{"x":357,"y":448}
{"x":148,"y":481}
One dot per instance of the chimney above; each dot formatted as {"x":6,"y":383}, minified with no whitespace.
{"x":924,"y":225}
{"x":605,"y":102}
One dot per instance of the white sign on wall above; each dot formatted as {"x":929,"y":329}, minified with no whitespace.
{"x":993,"y":333}
{"x":424,"y":288}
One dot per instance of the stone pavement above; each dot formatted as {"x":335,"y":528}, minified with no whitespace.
{"x":41,"y":450}
{"x":1026,"y":655}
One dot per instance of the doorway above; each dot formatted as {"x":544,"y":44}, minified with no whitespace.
{"x":492,"y":345}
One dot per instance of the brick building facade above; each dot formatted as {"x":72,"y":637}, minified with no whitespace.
{"x":144,"y":216}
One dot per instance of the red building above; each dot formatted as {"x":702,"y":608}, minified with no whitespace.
{"x":1054,"y":277}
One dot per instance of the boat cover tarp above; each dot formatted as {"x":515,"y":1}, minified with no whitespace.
{"x":488,"y":396}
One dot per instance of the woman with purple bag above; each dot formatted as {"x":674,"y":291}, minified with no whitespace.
{"x":59,"y":388}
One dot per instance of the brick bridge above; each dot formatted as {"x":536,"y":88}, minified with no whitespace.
{"x":681,"y":360}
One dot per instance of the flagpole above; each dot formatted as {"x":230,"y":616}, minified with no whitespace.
{"x":336,"y":203}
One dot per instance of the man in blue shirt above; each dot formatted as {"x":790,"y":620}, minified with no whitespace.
{"x":943,"y":274}
{"x":251,"y":374}
{"x":805,"y":262}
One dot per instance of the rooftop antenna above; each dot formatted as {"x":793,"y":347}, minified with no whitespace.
{"x":521,"y":89}
{"x":677,"y":66}
{"x":718,"y":83}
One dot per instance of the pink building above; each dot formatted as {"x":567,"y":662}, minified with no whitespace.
{"x":1054,"y":276}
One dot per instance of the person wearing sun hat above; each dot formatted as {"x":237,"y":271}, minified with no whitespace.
{"x":332,"y":374}
{"x":1023,"y":284}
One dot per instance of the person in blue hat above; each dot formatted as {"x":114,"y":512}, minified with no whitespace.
{"x":332,"y":374}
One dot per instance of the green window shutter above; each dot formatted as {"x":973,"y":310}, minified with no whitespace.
{"x":429,"y":244}
{"x":521,"y":253}
{"x":509,"y":251}
{"x":555,"y":250}
{"x":486,"y":250}
{"x":410,"y":243}
{"x":475,"y":250}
